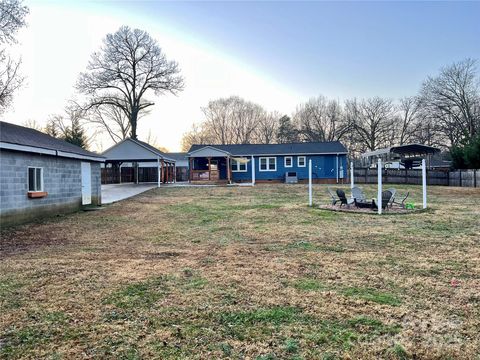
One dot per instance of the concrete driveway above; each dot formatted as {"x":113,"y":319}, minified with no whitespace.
{"x":116,"y":192}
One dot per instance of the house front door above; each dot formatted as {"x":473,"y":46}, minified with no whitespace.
{"x":214,"y":172}
{"x":86,"y":183}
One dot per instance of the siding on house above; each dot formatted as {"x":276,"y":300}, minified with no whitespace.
{"x":323,"y":167}
{"x":61,"y":178}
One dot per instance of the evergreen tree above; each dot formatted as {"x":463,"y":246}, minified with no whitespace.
{"x":286,"y":133}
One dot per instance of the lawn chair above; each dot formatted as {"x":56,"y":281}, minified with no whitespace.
{"x":402,"y":199}
{"x":358,"y":194}
{"x":334,"y":197}
{"x":386,"y":196}
{"x":392,"y":199}
{"x":343,"y":198}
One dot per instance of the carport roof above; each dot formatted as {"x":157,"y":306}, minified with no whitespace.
{"x":134,"y":150}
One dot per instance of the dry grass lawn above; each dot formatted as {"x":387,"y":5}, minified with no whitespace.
{"x":244,"y":273}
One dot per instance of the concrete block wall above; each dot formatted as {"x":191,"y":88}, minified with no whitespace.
{"x":61,"y":179}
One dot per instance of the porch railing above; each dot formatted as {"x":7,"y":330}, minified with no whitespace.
{"x":204,"y":175}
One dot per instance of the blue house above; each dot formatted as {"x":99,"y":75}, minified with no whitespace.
{"x":267,"y":162}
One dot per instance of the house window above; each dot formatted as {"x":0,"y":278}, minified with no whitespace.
{"x":35,"y":179}
{"x":302,"y":161}
{"x":238,"y":166}
{"x":288,"y":161}
{"x":268,"y":164}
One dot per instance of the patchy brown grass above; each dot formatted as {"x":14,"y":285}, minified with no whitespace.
{"x":245,"y":273}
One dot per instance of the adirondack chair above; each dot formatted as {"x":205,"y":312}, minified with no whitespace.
{"x":392,"y":199}
{"x":401,"y":199}
{"x":386,"y":196}
{"x":334,"y":197}
{"x":343,"y":198}
{"x":358,"y":194}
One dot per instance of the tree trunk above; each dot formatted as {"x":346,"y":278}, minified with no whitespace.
{"x":133,"y":123}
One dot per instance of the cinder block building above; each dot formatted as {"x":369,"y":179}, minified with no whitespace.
{"x":41,"y":175}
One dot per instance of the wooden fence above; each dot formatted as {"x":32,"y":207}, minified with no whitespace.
{"x":465,"y":178}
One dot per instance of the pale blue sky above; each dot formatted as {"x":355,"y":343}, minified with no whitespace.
{"x":277,"y":54}
{"x":341,"y":49}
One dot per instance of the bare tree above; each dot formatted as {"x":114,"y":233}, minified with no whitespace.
{"x":320,"y":119}
{"x":151,"y":139}
{"x":374,"y":122}
{"x":33,"y":124}
{"x":409,"y":116}
{"x":197,"y":135}
{"x":267,"y":128}
{"x":129,"y":65}
{"x":12,"y":18}
{"x":233,"y":120}
{"x":112,"y":120}
{"x":453,"y":99}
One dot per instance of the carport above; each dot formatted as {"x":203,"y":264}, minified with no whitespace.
{"x":145,"y":164}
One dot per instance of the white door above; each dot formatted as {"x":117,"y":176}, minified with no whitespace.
{"x":86,"y":183}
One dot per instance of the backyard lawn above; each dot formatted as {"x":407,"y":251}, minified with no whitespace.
{"x":245,"y":273}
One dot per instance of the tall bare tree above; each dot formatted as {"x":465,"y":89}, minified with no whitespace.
{"x":12,"y":18}
{"x":267,"y":128}
{"x":128,"y":67}
{"x":453,"y":99}
{"x":374,"y":122}
{"x":409,"y":117}
{"x":320,"y":119}
{"x":197,"y":135}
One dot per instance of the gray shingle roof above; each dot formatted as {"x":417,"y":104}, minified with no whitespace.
{"x":178,"y":156}
{"x":330,"y":147}
{"x":20,"y":135}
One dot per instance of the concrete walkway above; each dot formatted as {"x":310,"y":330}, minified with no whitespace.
{"x":116,"y":192}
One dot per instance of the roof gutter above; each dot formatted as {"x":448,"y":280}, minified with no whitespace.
{"x":39,"y":150}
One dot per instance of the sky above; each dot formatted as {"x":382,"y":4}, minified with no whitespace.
{"x":277,"y":54}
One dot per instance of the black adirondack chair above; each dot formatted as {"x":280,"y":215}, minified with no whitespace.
{"x":386,"y":196}
{"x":343,"y":198}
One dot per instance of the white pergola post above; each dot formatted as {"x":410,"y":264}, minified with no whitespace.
{"x":424,"y":183}
{"x":310,"y":199}
{"x":379,"y":191}
{"x":253,"y":171}
{"x":352,"y":184}
{"x":336,"y":168}
{"x":158,"y":172}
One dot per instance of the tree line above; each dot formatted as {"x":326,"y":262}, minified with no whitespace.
{"x":445,"y":113}
{"x":130,"y":67}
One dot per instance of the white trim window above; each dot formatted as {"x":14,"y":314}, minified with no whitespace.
{"x":301,"y":161}
{"x":35,"y":179}
{"x":268,"y":164}
{"x":238,"y":166}
{"x":288,"y":161}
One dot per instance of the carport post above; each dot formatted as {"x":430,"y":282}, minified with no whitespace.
{"x":379,"y":191}
{"x":158,"y":171}
{"x":424,"y":183}
{"x":310,"y":200}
